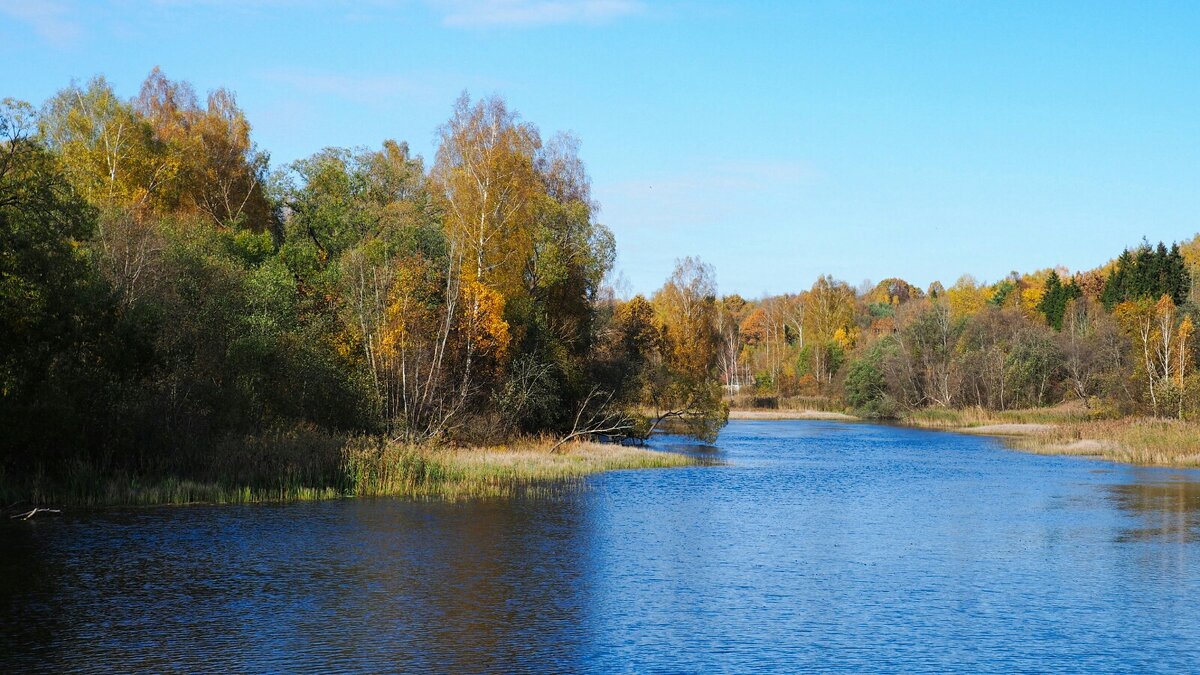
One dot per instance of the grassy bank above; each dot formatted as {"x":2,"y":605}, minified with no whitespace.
{"x":1069,"y":429}
{"x":783,"y":404}
{"x":1074,"y":430}
{"x":1152,"y":442}
{"x":502,"y":471}
{"x":738,"y":414}
{"x":968,"y":418}
{"x":358,"y":467}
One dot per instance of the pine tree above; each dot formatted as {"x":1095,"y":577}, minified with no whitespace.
{"x":1055,"y":298}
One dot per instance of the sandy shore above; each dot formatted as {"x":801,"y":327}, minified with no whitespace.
{"x":789,"y":415}
{"x":1009,"y":429}
{"x":1087,"y":447}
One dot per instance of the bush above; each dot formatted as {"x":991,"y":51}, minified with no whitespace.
{"x":866,"y":387}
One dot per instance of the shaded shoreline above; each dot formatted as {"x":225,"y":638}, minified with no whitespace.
{"x":364,"y":470}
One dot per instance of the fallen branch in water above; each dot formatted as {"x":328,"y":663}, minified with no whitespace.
{"x":36,"y":510}
{"x":602,"y":422}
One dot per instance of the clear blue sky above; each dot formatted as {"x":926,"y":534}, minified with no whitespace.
{"x":776,"y":140}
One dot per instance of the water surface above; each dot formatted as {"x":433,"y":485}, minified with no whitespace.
{"x":819,"y":546}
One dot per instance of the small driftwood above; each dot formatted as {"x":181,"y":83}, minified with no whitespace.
{"x":33,"y":512}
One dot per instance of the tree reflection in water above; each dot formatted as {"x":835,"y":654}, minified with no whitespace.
{"x":1166,"y":509}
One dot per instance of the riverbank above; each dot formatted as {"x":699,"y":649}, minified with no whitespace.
{"x":1073,"y":430}
{"x":791,"y":415}
{"x":1061,"y":430}
{"x":361,"y":468}
{"x":1144,"y":441}
{"x":499,"y":471}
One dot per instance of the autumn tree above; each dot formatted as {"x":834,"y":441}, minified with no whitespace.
{"x":485,"y":171}
{"x":1154,"y":328}
{"x":684,"y":385}
{"x":1095,"y":353}
{"x":400,"y":297}
{"x":893,"y":291}
{"x":109,"y":152}
{"x":220,"y":173}
{"x":829,"y":311}
{"x":731,"y":314}
{"x":966,"y":297}
{"x":922,"y":369}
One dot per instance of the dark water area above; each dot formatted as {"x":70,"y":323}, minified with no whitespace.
{"x":819,"y":546}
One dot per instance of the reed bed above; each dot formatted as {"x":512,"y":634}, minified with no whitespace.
{"x":499,"y":471}
{"x":1074,"y":430}
{"x":786,"y":403}
{"x":1146,"y":441}
{"x":960,"y":418}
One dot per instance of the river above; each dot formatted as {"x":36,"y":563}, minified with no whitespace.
{"x":815,"y":546}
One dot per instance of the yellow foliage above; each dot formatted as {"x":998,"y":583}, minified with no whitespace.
{"x":1183,"y":337}
{"x":345,"y":343}
{"x":966,"y":298}
{"x":485,"y":169}
{"x":486,"y":325}
{"x":406,"y":317}
{"x":845,"y":338}
{"x":1031,"y":297}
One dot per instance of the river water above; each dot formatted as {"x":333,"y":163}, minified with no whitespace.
{"x":817,"y":546}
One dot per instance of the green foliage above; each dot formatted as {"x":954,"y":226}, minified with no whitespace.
{"x":1003,"y":290}
{"x":61,"y":358}
{"x":1055,"y":297}
{"x":866,"y":386}
{"x":1148,"y":272}
{"x":879,"y":310}
{"x":161,"y":291}
{"x":763,"y":382}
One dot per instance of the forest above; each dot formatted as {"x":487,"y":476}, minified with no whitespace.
{"x":1116,"y":340}
{"x":171,"y":301}
{"x":168,"y":296}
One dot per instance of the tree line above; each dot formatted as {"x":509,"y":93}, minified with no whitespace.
{"x":164,"y":287}
{"x":1118,"y":337}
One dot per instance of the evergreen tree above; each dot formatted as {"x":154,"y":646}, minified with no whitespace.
{"x":1150,"y":272}
{"x":1055,"y":298}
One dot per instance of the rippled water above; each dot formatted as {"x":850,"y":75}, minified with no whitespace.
{"x":820,"y":546}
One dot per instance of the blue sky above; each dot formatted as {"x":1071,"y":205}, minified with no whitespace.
{"x":776,"y":140}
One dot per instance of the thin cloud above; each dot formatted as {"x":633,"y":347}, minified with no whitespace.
{"x":533,"y":13}
{"x":50,"y":20}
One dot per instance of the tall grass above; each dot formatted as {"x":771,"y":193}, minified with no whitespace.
{"x":959,"y":418}
{"x":296,"y":467}
{"x":1154,"y":442}
{"x":499,"y":471}
{"x":1074,"y":430}
{"x":786,"y":403}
